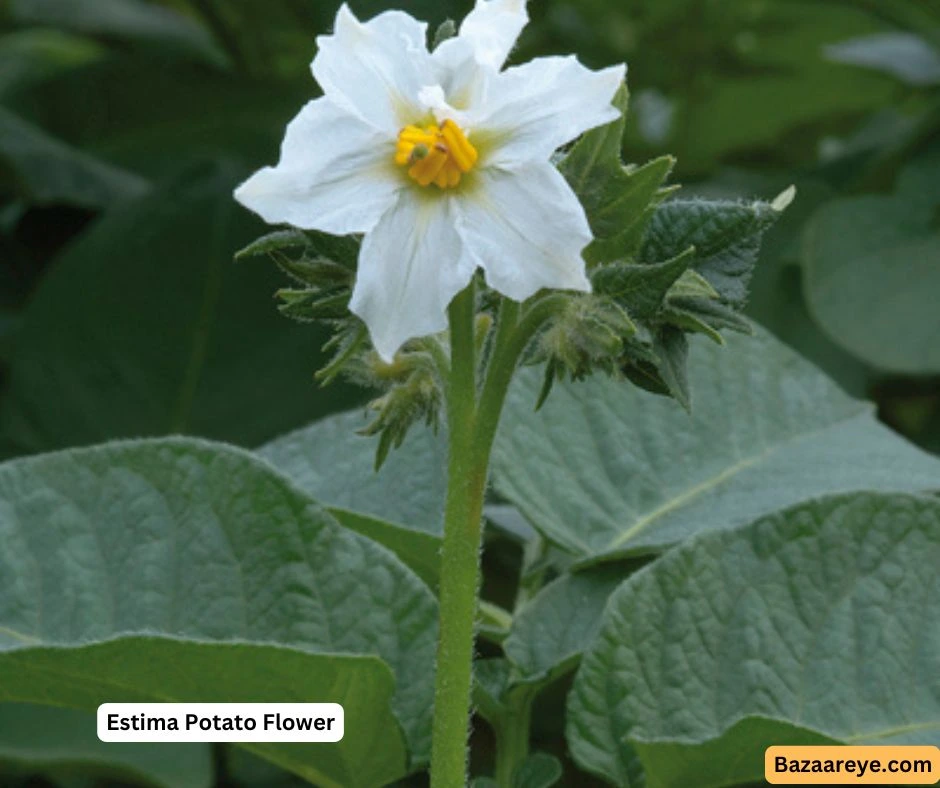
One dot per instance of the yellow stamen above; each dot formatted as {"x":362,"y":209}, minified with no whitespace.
{"x":436,"y":154}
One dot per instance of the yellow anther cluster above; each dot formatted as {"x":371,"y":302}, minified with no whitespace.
{"x":435,"y":154}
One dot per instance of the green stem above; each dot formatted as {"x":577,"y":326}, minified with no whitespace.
{"x":502,"y":365}
{"x":460,"y":556}
{"x":472,"y":426}
{"x":513,"y":335}
{"x":440,"y":358}
{"x":512,"y":737}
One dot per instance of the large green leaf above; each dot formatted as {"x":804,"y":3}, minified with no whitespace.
{"x":331,"y":461}
{"x":159,"y":669}
{"x":189,"y":112}
{"x":42,"y":739}
{"x":550,"y":632}
{"x":41,"y":170}
{"x":906,"y":56}
{"x":605,"y":469}
{"x":129,"y":20}
{"x":126,"y":562}
{"x":401,"y":505}
{"x":418,"y":550}
{"x":248,"y":771}
{"x":145,"y":326}
{"x":277,"y":36}
{"x":815,"y":623}
{"x":872,"y":267}
{"x":29,"y":57}
{"x":728,"y":760}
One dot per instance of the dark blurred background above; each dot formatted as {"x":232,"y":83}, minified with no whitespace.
{"x":125,"y":124}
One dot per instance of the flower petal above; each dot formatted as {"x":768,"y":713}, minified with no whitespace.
{"x":335,"y":174}
{"x":376,"y":68}
{"x":459,"y":77}
{"x":530,"y":111}
{"x":526,"y":229}
{"x":490,"y":30}
{"x":410,"y":267}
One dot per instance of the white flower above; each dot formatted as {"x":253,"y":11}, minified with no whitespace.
{"x":442,"y":160}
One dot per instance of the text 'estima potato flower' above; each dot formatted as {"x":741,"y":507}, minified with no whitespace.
{"x":442,"y":160}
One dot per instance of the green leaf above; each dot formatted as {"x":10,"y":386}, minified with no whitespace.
{"x":493,"y":622}
{"x":641,"y":288}
{"x":627,"y":205}
{"x":190,"y":113}
{"x":312,"y":305}
{"x":813,"y":623}
{"x":745,"y":83}
{"x":672,"y":348}
{"x":604,"y":470}
{"x":129,"y":668}
{"x":777,"y":301}
{"x":400,"y":506}
{"x":726,"y":236}
{"x":539,"y":770}
{"x":47,"y":740}
{"x":550,"y":632}
{"x":618,"y":200}
{"x":644,"y":373}
{"x":872,"y":272}
{"x":277,"y":241}
{"x":594,"y":160}
{"x":903,"y":55}
{"x":151,"y":329}
{"x":712,"y":764}
{"x":491,"y":680}
{"x":275,"y":37}
{"x":510,"y":522}
{"x":41,"y":170}
{"x":692,"y":285}
{"x":342,"y":251}
{"x":419,"y":551}
{"x":123,"y":563}
{"x":712,"y":314}
{"x":682,"y":322}
{"x":246,"y":770}
{"x":130,"y":20}
{"x":29,"y":57}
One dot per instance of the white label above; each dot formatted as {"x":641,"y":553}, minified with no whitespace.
{"x":220,"y":722}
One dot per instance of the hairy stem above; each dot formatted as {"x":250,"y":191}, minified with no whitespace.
{"x":472,"y":424}
{"x":460,"y":556}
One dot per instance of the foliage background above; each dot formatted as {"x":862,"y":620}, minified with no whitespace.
{"x":125,"y":124}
